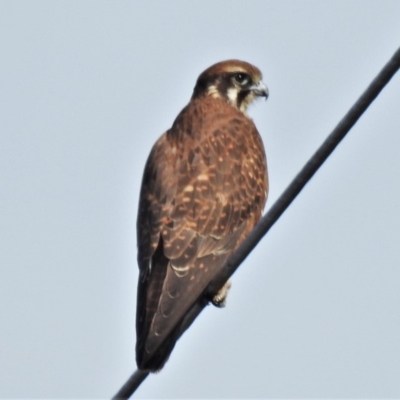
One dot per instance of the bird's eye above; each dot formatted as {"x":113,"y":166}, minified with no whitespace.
{"x":241,"y":78}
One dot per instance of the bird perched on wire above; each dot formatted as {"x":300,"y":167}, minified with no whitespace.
{"x":204,"y":187}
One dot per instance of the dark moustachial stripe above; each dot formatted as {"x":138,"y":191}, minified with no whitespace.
{"x":241,"y":96}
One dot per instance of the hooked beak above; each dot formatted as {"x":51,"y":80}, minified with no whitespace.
{"x":260,"y":89}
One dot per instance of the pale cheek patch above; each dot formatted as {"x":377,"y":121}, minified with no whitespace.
{"x":232,"y":96}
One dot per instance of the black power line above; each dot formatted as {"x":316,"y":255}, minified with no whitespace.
{"x":283,"y":202}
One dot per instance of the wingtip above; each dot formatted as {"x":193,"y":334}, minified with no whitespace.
{"x":155,"y":360}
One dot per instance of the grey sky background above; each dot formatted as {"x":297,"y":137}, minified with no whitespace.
{"x":86,"y":87}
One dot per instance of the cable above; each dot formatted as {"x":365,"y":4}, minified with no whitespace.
{"x":283,"y":202}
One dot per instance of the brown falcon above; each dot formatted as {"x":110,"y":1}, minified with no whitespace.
{"x":204,"y":187}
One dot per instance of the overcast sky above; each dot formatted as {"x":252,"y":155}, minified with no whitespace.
{"x":86,"y":87}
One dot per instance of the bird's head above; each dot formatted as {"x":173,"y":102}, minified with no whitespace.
{"x":237,"y":82}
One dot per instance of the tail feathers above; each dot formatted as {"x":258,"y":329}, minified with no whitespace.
{"x":155,"y":361}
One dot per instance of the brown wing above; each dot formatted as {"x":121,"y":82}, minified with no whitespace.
{"x":203,"y":189}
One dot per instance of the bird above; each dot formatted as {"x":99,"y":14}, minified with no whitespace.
{"x":204,"y":187}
